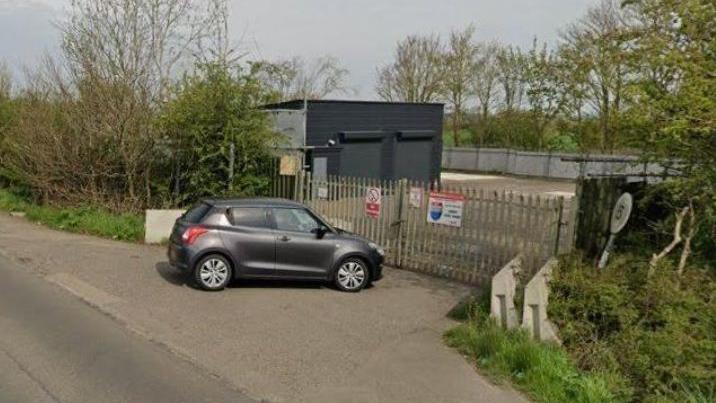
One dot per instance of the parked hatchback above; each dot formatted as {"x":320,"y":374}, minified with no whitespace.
{"x":221,"y":240}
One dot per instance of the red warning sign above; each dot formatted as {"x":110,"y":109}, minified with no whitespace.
{"x":372,"y":202}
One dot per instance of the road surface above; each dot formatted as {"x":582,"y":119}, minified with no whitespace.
{"x":55,"y":348}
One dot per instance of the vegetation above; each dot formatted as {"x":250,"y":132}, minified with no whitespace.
{"x":83,"y":219}
{"x":657,"y":333}
{"x":218,"y":138}
{"x":544,"y":371}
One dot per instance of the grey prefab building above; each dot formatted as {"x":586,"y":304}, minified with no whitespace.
{"x":386,"y":140}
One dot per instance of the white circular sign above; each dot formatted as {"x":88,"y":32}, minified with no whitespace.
{"x":621,"y":212}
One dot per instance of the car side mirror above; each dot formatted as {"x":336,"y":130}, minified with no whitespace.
{"x":320,"y":231}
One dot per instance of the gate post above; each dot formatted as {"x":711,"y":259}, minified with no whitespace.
{"x":402,"y":186}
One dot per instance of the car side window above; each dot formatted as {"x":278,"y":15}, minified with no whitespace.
{"x":294,"y":219}
{"x":249,"y":217}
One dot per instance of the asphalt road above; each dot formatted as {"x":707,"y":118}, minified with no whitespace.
{"x":55,"y":348}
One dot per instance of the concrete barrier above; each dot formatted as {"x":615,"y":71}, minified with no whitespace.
{"x":158,"y":224}
{"x":534,"y":311}
{"x":502,"y":301}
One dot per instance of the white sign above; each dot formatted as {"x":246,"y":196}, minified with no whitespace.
{"x":372,"y":202}
{"x":416,"y":197}
{"x":445,"y":208}
{"x":620,"y":214}
{"x":322,"y":192}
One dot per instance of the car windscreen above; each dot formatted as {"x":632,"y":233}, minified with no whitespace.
{"x":196,"y":213}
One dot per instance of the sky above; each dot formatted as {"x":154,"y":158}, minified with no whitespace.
{"x":361,"y":33}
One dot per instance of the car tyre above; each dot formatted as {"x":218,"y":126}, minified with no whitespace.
{"x":352,"y":275}
{"x":212,"y":273}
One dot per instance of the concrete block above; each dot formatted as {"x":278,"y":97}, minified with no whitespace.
{"x":534,"y":311}
{"x":19,"y":214}
{"x":158,"y":224}
{"x":502,"y":301}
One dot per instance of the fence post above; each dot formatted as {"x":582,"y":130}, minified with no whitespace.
{"x":560,"y":216}
{"x":402,"y":186}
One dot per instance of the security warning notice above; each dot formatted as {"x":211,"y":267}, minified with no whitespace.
{"x":372,"y":202}
{"x":446,"y":208}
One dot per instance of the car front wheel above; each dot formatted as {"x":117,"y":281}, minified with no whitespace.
{"x":352,"y":275}
{"x":212,"y":273}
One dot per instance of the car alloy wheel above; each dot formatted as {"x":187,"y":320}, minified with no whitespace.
{"x":213,"y":273}
{"x":352,"y":275}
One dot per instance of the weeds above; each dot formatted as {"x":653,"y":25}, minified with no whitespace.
{"x":84,"y":220}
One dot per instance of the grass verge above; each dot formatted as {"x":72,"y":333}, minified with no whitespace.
{"x":543,"y":371}
{"x":84,"y":220}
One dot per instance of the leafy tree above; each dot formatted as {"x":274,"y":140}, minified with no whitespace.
{"x":595,"y":48}
{"x":212,"y":121}
{"x":674,"y":116}
{"x":543,"y":89}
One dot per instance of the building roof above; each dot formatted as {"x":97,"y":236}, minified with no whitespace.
{"x":253,"y":202}
{"x":298,"y":103}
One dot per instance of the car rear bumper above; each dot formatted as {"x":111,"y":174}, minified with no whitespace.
{"x":179,"y":256}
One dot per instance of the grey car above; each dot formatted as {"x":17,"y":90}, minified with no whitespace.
{"x":218,"y":241}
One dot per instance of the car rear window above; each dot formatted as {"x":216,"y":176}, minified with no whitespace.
{"x":196,"y":213}
{"x":249,"y":217}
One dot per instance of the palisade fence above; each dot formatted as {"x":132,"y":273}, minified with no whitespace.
{"x":495,"y":226}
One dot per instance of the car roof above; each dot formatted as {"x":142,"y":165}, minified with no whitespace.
{"x":253,"y":202}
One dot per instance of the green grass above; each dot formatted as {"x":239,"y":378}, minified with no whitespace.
{"x":543,"y":371}
{"x":84,"y":220}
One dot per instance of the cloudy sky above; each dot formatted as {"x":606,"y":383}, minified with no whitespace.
{"x":361,"y":33}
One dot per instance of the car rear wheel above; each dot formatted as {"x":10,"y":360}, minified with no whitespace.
{"x":352,"y":275}
{"x":212,"y":273}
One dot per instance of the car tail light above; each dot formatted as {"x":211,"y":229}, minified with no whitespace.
{"x":192,"y":233}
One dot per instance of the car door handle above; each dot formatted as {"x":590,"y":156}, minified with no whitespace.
{"x":284,"y":238}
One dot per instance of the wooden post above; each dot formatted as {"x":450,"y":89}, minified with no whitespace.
{"x":560,"y":213}
{"x":400,"y":211}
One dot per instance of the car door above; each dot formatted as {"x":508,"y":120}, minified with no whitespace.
{"x":251,"y":241}
{"x":299,"y":252}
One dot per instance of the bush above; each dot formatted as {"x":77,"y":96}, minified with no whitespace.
{"x":658,"y":332}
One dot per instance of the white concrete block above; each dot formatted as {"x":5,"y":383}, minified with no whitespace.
{"x":158,"y":224}
{"x":534,"y":311}
{"x":502,"y":301}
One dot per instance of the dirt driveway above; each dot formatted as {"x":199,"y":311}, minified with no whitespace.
{"x":275,"y":341}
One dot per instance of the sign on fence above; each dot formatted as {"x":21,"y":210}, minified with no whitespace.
{"x":289,"y":165}
{"x":323,"y":192}
{"x":445,"y":208}
{"x":416,"y":197}
{"x":372,"y":202}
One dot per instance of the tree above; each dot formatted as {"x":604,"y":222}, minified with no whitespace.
{"x":674,"y":115}
{"x":417,"y":72}
{"x":544,"y":94}
{"x":216,"y":128}
{"x":84,"y":128}
{"x":300,"y":79}
{"x":485,"y":81}
{"x":459,"y":64}
{"x":510,"y":76}
{"x":598,"y":44}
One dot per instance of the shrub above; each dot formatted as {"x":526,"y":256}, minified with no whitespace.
{"x":659,"y":332}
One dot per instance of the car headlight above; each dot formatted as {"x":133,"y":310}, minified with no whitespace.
{"x":377,"y":248}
